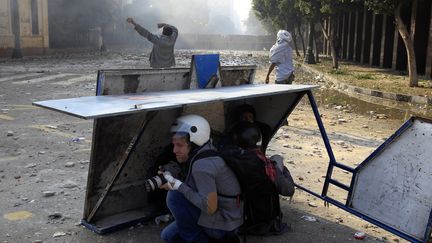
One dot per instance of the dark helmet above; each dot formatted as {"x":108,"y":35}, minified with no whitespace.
{"x":245,"y":108}
{"x":246,"y":134}
{"x":167,"y":31}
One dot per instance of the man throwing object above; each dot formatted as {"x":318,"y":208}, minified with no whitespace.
{"x":162,"y":54}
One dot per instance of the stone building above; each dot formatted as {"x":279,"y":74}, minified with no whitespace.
{"x":32,"y":26}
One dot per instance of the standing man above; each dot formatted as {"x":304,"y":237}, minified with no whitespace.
{"x":281,"y":58}
{"x":162,"y":54}
{"x":206,"y":205}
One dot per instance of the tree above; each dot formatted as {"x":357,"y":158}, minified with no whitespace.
{"x":281,"y":13}
{"x":291,"y":17}
{"x":393,"y":7}
{"x":329,"y":10}
{"x":320,"y":10}
{"x":311,"y":11}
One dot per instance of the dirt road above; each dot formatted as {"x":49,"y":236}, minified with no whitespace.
{"x":44,"y":155}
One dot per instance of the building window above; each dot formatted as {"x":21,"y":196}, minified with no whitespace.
{"x":35,"y":17}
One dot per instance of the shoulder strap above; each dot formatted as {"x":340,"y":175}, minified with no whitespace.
{"x":205,"y":154}
{"x":201,"y":155}
{"x":212,"y":153}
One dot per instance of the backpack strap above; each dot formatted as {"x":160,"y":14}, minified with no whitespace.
{"x":205,"y":154}
{"x":212,"y":153}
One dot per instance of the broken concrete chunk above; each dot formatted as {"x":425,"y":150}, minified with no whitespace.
{"x":297,"y":147}
{"x":312,"y":204}
{"x":55,"y":216}
{"x":48,"y":193}
{"x":341,"y":120}
{"x":70,"y":164}
{"x":58,"y":234}
{"x":381,"y":116}
{"x":31,"y":165}
{"x":69,"y":185}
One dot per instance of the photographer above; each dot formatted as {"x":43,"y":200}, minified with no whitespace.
{"x":205,"y":206}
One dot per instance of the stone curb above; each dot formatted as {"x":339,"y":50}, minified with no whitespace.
{"x":414,"y":99}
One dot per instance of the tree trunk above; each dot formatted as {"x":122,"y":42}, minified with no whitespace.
{"x":301,"y":38}
{"x":409,"y":46}
{"x":294,"y":36}
{"x":316,"y":47}
{"x":330,"y":38}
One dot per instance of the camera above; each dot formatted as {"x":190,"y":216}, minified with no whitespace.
{"x":158,"y":180}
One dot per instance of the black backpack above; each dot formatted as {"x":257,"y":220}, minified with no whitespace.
{"x":262,"y":214}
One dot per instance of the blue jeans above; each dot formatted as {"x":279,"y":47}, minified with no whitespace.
{"x":185,"y":228}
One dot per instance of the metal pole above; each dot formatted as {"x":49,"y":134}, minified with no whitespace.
{"x":326,"y":141}
{"x":310,"y":57}
{"x":16,"y":53}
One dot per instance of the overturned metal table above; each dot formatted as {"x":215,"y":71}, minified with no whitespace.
{"x":391,"y":188}
{"x":131,"y":130}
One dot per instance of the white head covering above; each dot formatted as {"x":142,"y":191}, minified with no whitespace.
{"x":283,"y":35}
{"x":281,"y":46}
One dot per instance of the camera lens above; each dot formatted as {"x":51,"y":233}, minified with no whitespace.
{"x":154,"y":183}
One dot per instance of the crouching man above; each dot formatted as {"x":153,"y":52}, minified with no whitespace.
{"x":205,"y":206}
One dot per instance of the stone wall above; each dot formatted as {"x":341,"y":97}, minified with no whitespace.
{"x":225,"y":42}
{"x":6,"y":37}
{"x":34,"y":38}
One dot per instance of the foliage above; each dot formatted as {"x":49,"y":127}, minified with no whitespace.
{"x":364,"y":76}
{"x":384,"y":6}
{"x":319,"y":9}
{"x":338,"y":72}
{"x":283,"y":14}
{"x":289,"y":15}
{"x":309,"y":8}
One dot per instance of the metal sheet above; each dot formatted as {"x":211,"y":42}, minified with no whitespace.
{"x":108,"y":106}
{"x":115,"y":212}
{"x":237,"y":75}
{"x":126,"y":81}
{"x":393,"y":185}
{"x":206,"y":66}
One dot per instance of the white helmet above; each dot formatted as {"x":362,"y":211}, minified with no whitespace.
{"x":196,"y":126}
{"x":284,"y":35}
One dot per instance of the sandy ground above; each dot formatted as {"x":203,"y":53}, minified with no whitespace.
{"x":37,"y":154}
